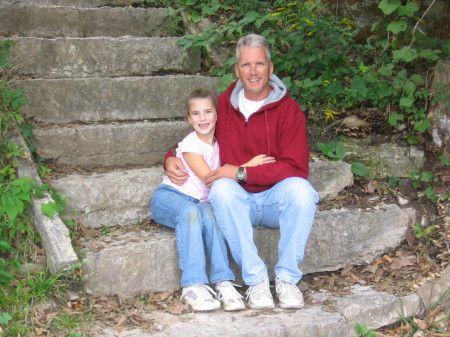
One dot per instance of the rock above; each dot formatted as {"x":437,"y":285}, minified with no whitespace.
{"x":439,"y":112}
{"x":385,"y":158}
{"x":436,"y":291}
{"x":366,"y":306}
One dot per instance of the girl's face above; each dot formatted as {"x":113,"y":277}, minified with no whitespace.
{"x":202,"y":116}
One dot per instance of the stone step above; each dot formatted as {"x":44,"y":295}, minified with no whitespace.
{"x":105,"y":99}
{"x":72,"y":3}
{"x":112,"y":145}
{"x":146,"y":260}
{"x":101,"y":57}
{"x":132,"y":191}
{"x":50,"y":22}
{"x":327,"y":314}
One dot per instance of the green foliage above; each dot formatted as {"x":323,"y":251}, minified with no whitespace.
{"x":16,"y":194}
{"x":360,"y":169}
{"x":363,"y":331}
{"x":332,"y":150}
{"x":5,"y":318}
{"x":336,"y":151}
{"x":423,"y":181}
{"x":321,"y":63}
{"x":445,"y":160}
{"x":423,"y":233}
{"x":37,"y":287}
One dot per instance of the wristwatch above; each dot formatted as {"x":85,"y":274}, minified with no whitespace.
{"x":241,"y":176}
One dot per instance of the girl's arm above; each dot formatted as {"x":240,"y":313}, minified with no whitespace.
{"x":259,"y":160}
{"x":197,"y":164}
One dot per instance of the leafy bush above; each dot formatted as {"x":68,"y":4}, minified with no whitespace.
{"x":16,"y":232}
{"x":323,"y":66}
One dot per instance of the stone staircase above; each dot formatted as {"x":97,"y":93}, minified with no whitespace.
{"x":105,"y":84}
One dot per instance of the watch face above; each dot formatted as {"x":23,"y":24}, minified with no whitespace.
{"x":240,"y":175}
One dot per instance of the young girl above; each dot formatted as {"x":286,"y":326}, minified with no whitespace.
{"x":186,"y":209}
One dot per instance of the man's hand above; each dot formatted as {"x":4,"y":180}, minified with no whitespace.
{"x":226,"y":171}
{"x":176,"y":171}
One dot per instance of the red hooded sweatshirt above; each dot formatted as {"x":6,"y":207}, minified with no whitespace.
{"x":277,"y":129}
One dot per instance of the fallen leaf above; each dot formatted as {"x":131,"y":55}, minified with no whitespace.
{"x":177,"y":308}
{"x":163,"y":296}
{"x":372,"y":186}
{"x":421,"y":324}
{"x":403,"y":261}
{"x":371,"y":268}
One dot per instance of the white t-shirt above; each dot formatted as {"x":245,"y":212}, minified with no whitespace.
{"x":248,"y":107}
{"x":195,"y":187}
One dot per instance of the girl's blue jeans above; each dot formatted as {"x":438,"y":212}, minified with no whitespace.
{"x":196,"y":232}
{"x":289,"y":205}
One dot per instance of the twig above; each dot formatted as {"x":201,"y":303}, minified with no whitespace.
{"x":417,"y":23}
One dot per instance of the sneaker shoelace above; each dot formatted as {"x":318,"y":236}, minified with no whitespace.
{"x":203,"y":291}
{"x":256,"y":289}
{"x":286,"y":286}
{"x":227,"y":289}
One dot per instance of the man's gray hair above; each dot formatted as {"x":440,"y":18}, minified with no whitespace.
{"x":252,"y":40}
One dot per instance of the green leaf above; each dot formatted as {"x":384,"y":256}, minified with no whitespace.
{"x":432,"y":55}
{"x":5,"y":246}
{"x":49,"y":209}
{"x":386,"y":70}
{"x":445,"y":160}
{"x":397,"y":26}
{"x":426,"y":176}
{"x":11,"y":205}
{"x":388,"y":7}
{"x":422,"y":125}
{"x":359,"y":169}
{"x":417,"y":79}
{"x":395,"y":117}
{"x":340,"y":151}
{"x":409,"y":9}
{"x":409,"y":88}
{"x":406,"y":54}
{"x":5,"y":318}
{"x":406,"y":102}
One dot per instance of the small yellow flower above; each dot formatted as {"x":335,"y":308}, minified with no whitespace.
{"x":330,"y":114}
{"x":326,"y":83}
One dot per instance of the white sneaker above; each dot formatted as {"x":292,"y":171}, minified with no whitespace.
{"x":200,"y":297}
{"x":259,"y":295}
{"x":230,"y":298}
{"x":288,"y":294}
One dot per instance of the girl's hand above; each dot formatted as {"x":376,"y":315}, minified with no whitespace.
{"x":260,"y":160}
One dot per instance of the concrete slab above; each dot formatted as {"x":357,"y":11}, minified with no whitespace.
{"x":123,"y":196}
{"x":101,"y":57}
{"x":106,"y":99}
{"x":36,"y":20}
{"x":112,"y":145}
{"x":129,"y":263}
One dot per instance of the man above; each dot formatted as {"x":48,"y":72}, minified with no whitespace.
{"x":256,"y":116}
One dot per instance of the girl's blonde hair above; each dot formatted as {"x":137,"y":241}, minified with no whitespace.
{"x":201,"y":93}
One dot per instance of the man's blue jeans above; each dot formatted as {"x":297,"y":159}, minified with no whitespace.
{"x":196,"y":230}
{"x":289,"y":205}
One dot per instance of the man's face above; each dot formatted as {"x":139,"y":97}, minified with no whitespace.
{"x":254,"y":69}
